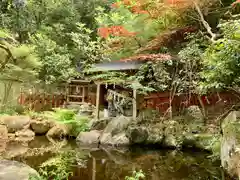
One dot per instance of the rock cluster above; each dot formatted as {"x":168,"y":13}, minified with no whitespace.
{"x":16,"y":128}
{"x":111,"y":133}
{"x":230,"y":144}
{"x":24,"y":128}
{"x":187,"y":131}
{"x":12,"y":170}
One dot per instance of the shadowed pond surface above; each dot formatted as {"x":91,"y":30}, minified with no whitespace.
{"x":115,"y":164}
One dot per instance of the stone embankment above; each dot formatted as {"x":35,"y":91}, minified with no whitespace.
{"x":186,"y":131}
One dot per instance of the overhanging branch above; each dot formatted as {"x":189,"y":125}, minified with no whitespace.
{"x":8,"y":58}
{"x":205,"y":23}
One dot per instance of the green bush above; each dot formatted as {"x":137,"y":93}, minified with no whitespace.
{"x":12,"y":110}
{"x":56,"y":168}
{"x":78,"y":123}
{"x":59,"y":167}
{"x":65,"y":116}
{"x":137,"y":175}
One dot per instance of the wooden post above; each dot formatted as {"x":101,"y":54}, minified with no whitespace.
{"x":93,"y":168}
{"x":83,"y":94}
{"x":98,"y":100}
{"x":66,"y":89}
{"x":134,"y":102}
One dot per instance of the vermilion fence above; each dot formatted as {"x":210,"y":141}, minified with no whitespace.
{"x":161,"y":101}
{"x":39,"y":101}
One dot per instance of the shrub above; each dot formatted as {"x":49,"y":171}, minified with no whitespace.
{"x":137,"y":175}
{"x":65,"y":116}
{"x":59,"y":167}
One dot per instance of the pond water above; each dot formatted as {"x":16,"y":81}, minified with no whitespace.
{"x":115,"y":164}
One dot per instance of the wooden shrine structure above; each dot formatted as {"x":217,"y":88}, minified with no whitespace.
{"x":105,"y":88}
{"x":77,"y":91}
{"x":100,"y":94}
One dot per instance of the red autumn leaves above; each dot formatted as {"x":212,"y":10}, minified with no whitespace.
{"x":105,"y":32}
{"x":136,"y":8}
{"x":236,"y":2}
{"x":133,"y":7}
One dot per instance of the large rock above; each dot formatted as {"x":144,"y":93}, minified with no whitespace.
{"x":89,"y":138}
{"x":173,"y":134}
{"x":41,"y":127}
{"x":194,"y":114}
{"x":155,"y":135}
{"x":230,"y":145}
{"x":171,"y":141}
{"x":59,"y":131}
{"x":3,"y":138}
{"x":137,"y":134}
{"x":119,"y":139}
{"x":106,"y":139}
{"x":100,"y":124}
{"x":15,"y":123}
{"x":3,"y":132}
{"x":203,"y":141}
{"x":115,"y":132}
{"x":118,"y":125}
{"x":12,"y":170}
{"x":15,"y":149}
{"x":11,"y":136}
{"x":25,"y":133}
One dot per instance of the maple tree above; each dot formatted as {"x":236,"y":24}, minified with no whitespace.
{"x":146,"y":30}
{"x":130,"y":25}
{"x":105,"y":32}
{"x":236,"y":2}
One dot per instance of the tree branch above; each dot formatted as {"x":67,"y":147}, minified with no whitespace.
{"x":8,"y":58}
{"x":205,"y":23}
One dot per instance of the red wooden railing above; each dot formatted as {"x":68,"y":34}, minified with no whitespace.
{"x":41,"y":101}
{"x":161,"y":101}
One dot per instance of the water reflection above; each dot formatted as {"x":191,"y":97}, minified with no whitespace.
{"x":157,"y":165}
{"x":115,"y":164}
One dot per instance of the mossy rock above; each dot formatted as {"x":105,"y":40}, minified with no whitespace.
{"x":155,"y":135}
{"x":194,"y":114}
{"x":206,"y":141}
{"x":203,"y":141}
{"x":137,"y":134}
{"x":230,"y":142}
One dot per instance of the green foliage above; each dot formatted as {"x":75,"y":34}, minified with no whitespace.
{"x":60,"y":166}
{"x":145,"y":26}
{"x":137,"y":175}
{"x":7,"y":111}
{"x":56,"y":60}
{"x":216,"y":149}
{"x":153,"y":76}
{"x":85,"y":50}
{"x":77,"y":123}
{"x":221,"y":59}
{"x":56,"y":168}
{"x":190,"y":64}
{"x":122,"y":78}
{"x":64,"y":116}
{"x":12,"y":110}
{"x":80,"y":125}
{"x":55,"y":32}
{"x":18,"y":62}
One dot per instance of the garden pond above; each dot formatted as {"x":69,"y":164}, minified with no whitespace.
{"x":106,"y":163}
